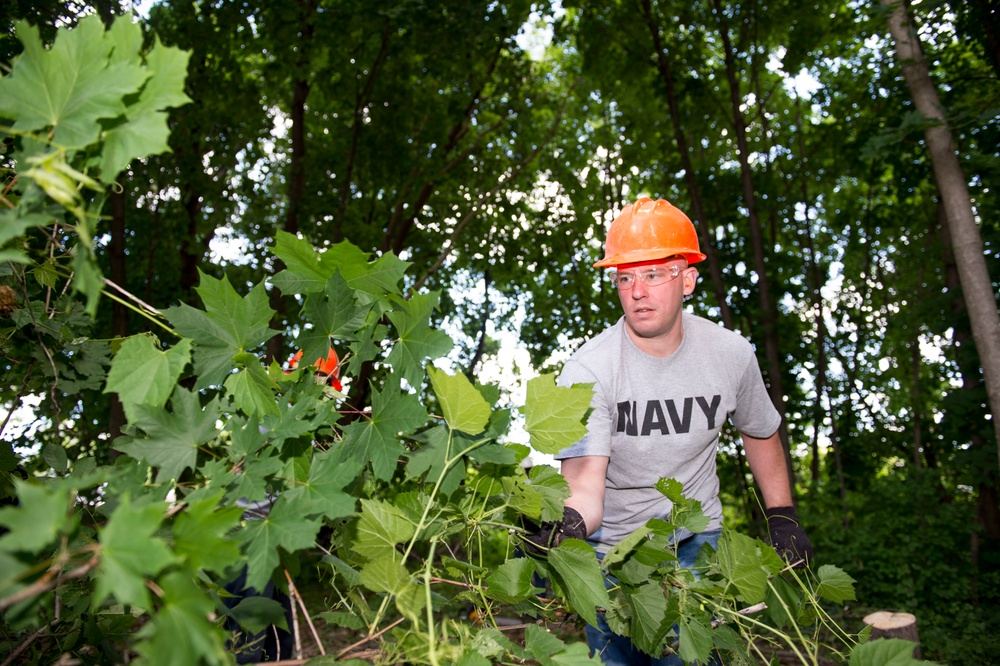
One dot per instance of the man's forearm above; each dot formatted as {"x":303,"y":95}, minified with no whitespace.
{"x":767,"y":463}
{"x":587,"y":477}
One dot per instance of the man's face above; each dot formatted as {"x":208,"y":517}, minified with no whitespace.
{"x":654,"y":294}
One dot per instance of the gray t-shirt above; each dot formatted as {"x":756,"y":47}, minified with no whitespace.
{"x":661,"y":417}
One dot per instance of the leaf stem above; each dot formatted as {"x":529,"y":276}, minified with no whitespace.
{"x":432,"y":642}
{"x":141,"y":311}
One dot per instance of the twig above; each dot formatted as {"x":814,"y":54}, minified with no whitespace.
{"x":24,"y":646}
{"x":305,"y":613}
{"x":749,"y":610}
{"x":132,"y":297}
{"x":295,"y":622}
{"x":369,"y":638}
{"x":48,"y":581}
{"x":454,"y":582}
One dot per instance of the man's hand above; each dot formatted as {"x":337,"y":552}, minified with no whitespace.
{"x":553,"y":533}
{"x":787,"y":536}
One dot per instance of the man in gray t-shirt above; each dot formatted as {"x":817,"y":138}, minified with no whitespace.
{"x":664,"y":382}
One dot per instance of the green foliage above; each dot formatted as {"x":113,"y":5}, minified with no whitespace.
{"x":926,"y":570}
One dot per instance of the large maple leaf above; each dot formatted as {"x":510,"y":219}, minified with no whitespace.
{"x":229,"y":325}
{"x":172,"y":438}
{"x":376,"y":439}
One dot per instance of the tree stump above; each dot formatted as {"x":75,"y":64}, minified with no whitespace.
{"x":887,"y":624}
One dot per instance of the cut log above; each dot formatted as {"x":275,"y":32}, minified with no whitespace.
{"x":887,"y":624}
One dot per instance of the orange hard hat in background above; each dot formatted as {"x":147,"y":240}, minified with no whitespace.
{"x":647,"y":230}
{"x":328,"y":367}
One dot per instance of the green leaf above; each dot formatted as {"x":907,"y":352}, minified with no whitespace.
{"x":379,"y":277}
{"x":256,"y":613}
{"x":229,"y":325}
{"x":376,"y":439}
{"x":87,"y":278}
{"x":492,"y":643}
{"x":200,"y":535}
{"x":283,"y":528}
{"x":182,"y":631}
{"x":130,"y":553}
{"x":380,"y":528}
{"x":554,"y":414}
{"x":332,"y":315}
{"x":141,"y":373}
{"x":13,"y":223}
{"x":302,"y":410}
{"x":472,"y":658}
{"x":322,"y":494}
{"x":146,"y":131}
{"x":684,"y":513}
{"x":307,"y":271}
{"x":463,"y":406}
{"x":783,"y":601}
{"x":552,"y":488}
{"x":55,"y":455}
{"x":385,"y":574}
{"x":172,"y":437}
{"x":649,"y":617}
{"x":252,"y":388}
{"x":549,"y":650}
{"x":623,"y":548}
{"x":432,"y":458}
{"x":70,"y":87}
{"x":695,"y":639}
{"x":834,"y":584}
{"x":417,"y":340}
{"x":541,"y":644}
{"x":511,"y":582}
{"x":577,"y":572}
{"x":741,"y":564}
{"x":884,"y":652}
{"x":43,"y":513}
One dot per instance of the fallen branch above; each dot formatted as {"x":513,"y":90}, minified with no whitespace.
{"x":292,"y":590}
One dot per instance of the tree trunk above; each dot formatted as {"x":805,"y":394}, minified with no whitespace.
{"x":769,"y":315}
{"x":360,"y":106}
{"x":814,"y":281}
{"x":986,"y":523}
{"x":297,"y":170}
{"x":697,"y":206}
{"x":967,"y":242}
{"x":119,"y":313}
{"x":484,"y":321}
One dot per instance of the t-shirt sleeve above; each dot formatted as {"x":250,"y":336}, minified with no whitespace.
{"x":755,"y":414}
{"x":597,"y":441}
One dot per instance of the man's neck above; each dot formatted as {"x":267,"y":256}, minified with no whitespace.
{"x":660,"y":346}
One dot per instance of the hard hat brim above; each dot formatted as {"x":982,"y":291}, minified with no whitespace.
{"x":636,"y":256}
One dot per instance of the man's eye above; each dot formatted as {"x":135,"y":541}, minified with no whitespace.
{"x":654,"y":276}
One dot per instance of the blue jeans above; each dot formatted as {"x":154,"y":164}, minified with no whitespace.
{"x":616,"y":650}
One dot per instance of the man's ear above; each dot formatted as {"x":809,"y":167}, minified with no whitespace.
{"x":690,"y":280}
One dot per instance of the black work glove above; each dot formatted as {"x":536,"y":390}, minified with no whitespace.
{"x":553,"y":533}
{"x":787,"y":536}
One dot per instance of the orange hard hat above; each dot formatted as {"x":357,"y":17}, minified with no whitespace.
{"x":329,"y":367}
{"x":647,"y":230}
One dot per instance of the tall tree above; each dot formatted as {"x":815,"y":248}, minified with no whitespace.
{"x":967,"y":244}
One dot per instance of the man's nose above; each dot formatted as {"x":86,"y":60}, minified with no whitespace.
{"x":639,"y":288}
